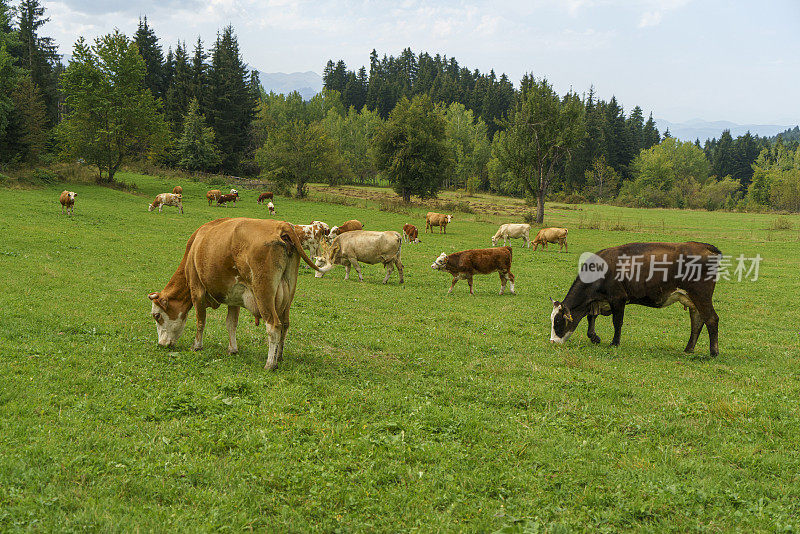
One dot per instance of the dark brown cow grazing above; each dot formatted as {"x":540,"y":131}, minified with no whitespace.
{"x":410,"y":234}
{"x":650,"y":274}
{"x":265,"y":196}
{"x":224,"y":199}
{"x":463,"y":265}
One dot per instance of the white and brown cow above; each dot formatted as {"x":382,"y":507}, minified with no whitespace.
{"x":348,"y":226}
{"x":551,"y":235}
{"x":465,"y":264}
{"x":363,"y":246}
{"x":271,"y":208}
{"x":437,"y":219}
{"x":67,"y":200}
{"x":410,"y":234}
{"x":226,"y":198}
{"x":166,"y":199}
{"x":312,"y":236}
{"x":513,"y":230}
{"x":213,"y":195}
{"x":236,"y":262}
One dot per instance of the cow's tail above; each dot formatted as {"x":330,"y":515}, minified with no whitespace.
{"x":289,"y":231}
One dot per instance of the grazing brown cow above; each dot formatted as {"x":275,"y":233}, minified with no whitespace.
{"x":437,"y":219}
{"x":213,"y":195}
{"x":166,"y":199}
{"x":265,"y":196}
{"x":236,"y":262}
{"x":348,"y":226}
{"x":177,"y":190}
{"x":410,"y":234}
{"x":551,"y":235}
{"x":650,"y":274}
{"x":224,"y":199}
{"x":463,"y":265}
{"x":67,"y":200}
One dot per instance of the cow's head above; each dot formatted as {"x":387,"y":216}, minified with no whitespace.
{"x":234,"y":192}
{"x":328,"y":259}
{"x":72,"y":195}
{"x":169,"y":328}
{"x":440,"y":262}
{"x":150,"y":207}
{"x":449,"y":218}
{"x":561,"y":324}
{"x":494,"y":240}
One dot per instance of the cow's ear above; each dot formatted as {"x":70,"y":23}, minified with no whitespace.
{"x":163,"y":302}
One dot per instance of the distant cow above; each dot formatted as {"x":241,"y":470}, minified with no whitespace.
{"x":265,"y":196}
{"x":312,"y":236}
{"x":213,"y":195}
{"x":166,"y":199}
{"x":410,"y":234}
{"x":348,"y":226}
{"x":463,"y":265}
{"x":224,"y":199}
{"x":363,"y":246}
{"x":437,"y":219}
{"x":177,"y":190}
{"x":67,"y":200}
{"x":651,"y":274}
{"x":240,"y":262}
{"x":234,"y":192}
{"x":512,"y":230}
{"x":271,"y":208}
{"x":551,"y":235}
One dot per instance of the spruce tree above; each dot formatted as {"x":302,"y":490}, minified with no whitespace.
{"x":196,"y":148}
{"x":145,"y":38}
{"x":39,"y":55}
{"x":650,"y":135}
{"x":179,"y":93}
{"x":231,"y":105}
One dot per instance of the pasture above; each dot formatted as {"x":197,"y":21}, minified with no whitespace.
{"x":397,"y":408}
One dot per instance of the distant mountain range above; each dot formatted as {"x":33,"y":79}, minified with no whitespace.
{"x":306,"y":83}
{"x":700,"y":129}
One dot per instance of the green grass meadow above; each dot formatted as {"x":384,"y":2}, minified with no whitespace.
{"x":397,"y":408}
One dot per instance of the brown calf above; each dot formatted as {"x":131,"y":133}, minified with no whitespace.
{"x":265,"y":196}
{"x":213,"y":195}
{"x":67,"y":200}
{"x":463,"y":265}
{"x":224,"y":199}
{"x":410,"y":234}
{"x":551,"y":235}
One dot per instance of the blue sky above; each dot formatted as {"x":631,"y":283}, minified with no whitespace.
{"x":681,"y":59}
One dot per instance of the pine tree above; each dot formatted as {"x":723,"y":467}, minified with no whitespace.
{"x":196,"y":148}
{"x":29,"y":120}
{"x":179,"y":93}
{"x":39,"y":55}
{"x":198,"y":88}
{"x":723,"y":158}
{"x":231,"y":106}
{"x":145,"y":38}
{"x":650,"y":135}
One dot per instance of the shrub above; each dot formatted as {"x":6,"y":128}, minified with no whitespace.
{"x":781,"y":223}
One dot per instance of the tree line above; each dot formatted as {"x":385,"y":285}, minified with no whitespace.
{"x":420,"y":122}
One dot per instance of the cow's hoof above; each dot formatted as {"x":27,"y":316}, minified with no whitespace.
{"x":233,"y":351}
{"x":594,"y":339}
{"x":197,"y":347}
{"x":271,"y":366}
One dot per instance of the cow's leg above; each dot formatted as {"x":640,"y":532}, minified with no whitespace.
{"x":399,"y":266}
{"x":358,"y":270}
{"x":455,"y":279}
{"x":389,"y":266}
{"x":617,"y":315}
{"x":712,"y":323}
{"x":347,"y":270}
{"x":232,"y":321}
{"x":510,"y":276}
{"x":469,"y":281}
{"x":502,"y":282}
{"x":697,"y":327}
{"x":201,"y":324}
{"x":590,"y":333}
{"x":181,"y":208}
{"x":566,"y":248}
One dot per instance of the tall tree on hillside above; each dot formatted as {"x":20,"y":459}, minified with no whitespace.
{"x":145,"y":38}
{"x":541,"y":133}
{"x":723,"y":162}
{"x":9,"y":75}
{"x":39,"y":55}
{"x":650,"y":135}
{"x":197,"y":150}
{"x":199,"y":76}
{"x":411,"y":148}
{"x":110,"y":115}
{"x":299,"y":153}
{"x":28,"y":131}
{"x":176,"y":103}
{"x":231,"y":104}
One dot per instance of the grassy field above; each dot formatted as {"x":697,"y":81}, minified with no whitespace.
{"x":397,"y":408}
